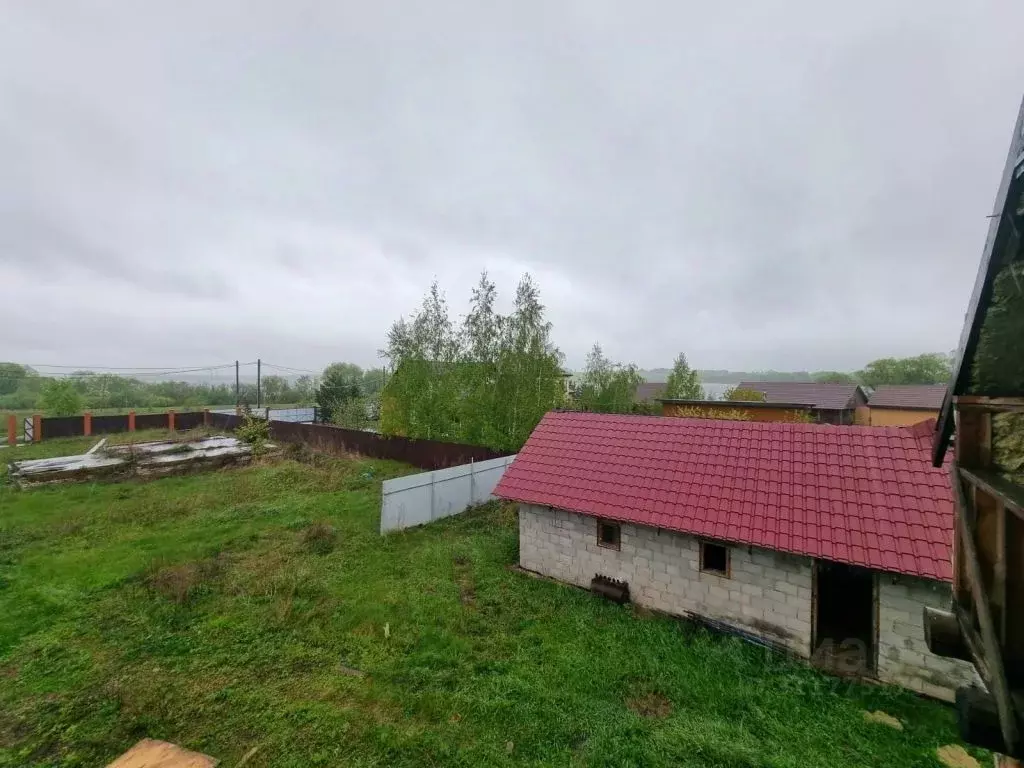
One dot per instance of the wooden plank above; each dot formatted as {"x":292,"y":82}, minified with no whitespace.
{"x":987,"y":543}
{"x":974,"y":439}
{"x":999,"y":573}
{"x":1014,"y":599}
{"x":989,"y":654}
{"x":974,"y":644}
{"x":150,"y":753}
{"x":992,"y":404}
{"x":1011,"y":494}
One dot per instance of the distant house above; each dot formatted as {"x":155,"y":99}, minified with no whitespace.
{"x":905,"y":405}
{"x":829,"y":403}
{"x":823,"y":541}
{"x":737,"y":410}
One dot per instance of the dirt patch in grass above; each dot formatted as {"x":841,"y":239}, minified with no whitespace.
{"x":319,"y":538}
{"x":464,"y":580}
{"x":183,"y":583}
{"x":652,"y":705}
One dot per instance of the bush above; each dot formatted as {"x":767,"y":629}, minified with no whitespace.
{"x":60,"y":398}
{"x":254,"y":431}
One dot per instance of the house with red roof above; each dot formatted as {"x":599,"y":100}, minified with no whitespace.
{"x":904,"y":405}
{"x":825,"y":541}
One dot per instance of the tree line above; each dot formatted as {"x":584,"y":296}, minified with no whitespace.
{"x":22,"y":388}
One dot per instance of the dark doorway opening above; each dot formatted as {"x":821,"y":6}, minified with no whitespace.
{"x":844,"y":630}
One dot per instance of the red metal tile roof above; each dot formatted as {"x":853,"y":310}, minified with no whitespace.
{"x":833,"y":397}
{"x":923,"y":396}
{"x":862,"y":495}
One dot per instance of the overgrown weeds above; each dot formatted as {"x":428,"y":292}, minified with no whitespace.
{"x":319,"y":538}
{"x":185,"y":582}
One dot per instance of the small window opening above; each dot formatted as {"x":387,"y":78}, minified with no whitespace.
{"x":608,"y":534}
{"x":714,"y":558}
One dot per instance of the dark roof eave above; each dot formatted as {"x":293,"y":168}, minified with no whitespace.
{"x":743,"y":404}
{"x":933,"y":408}
{"x":998,"y":230}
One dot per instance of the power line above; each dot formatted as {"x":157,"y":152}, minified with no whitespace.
{"x":124,"y":368}
{"x":293,"y":370}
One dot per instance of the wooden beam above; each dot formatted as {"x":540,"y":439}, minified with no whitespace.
{"x":1014,"y":645}
{"x":1011,"y":494}
{"x":995,"y":404}
{"x":999,"y":573}
{"x":974,"y":439}
{"x":990,"y":655}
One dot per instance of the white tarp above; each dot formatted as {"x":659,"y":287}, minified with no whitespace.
{"x":418,"y":499}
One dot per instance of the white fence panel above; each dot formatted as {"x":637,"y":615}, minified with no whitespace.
{"x":418,"y":499}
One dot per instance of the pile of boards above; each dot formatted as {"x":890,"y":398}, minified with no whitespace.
{"x":117,"y":462}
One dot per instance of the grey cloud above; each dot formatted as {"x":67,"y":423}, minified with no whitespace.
{"x":797,"y":188}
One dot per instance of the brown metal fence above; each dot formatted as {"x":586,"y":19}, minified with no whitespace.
{"x":323,"y":438}
{"x":74,"y":426}
{"x":425,"y":454}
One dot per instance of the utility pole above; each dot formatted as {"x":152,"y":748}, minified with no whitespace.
{"x":238,"y":387}
{"x":259,"y":380}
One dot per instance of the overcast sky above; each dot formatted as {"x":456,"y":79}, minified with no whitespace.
{"x":798,"y":185}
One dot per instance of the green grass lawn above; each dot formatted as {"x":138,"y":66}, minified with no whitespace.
{"x":259,"y":607}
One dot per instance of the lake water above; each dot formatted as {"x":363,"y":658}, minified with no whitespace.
{"x":715,"y":389}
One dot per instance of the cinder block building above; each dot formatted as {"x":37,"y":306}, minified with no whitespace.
{"x":825,"y":541}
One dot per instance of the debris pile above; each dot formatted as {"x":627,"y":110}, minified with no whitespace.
{"x":118,"y":462}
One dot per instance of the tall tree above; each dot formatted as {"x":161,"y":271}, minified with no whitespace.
{"x":607,"y":387}
{"x":340,"y":383}
{"x":420,"y":399}
{"x":834,"y":377}
{"x":373,"y":380}
{"x":683,"y":382}
{"x":929,"y":368}
{"x":739,"y":394}
{"x":11,"y":376}
{"x":275,"y":389}
{"x":305,"y":390}
{"x":481,"y":344}
{"x":488,"y":384}
{"x":60,"y":398}
{"x":529,"y":368}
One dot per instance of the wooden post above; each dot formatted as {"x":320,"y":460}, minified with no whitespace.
{"x":131,"y":421}
{"x":37,"y":427}
{"x":12,"y":429}
{"x":170,"y":420}
{"x":206,"y":417}
{"x":87,"y":424}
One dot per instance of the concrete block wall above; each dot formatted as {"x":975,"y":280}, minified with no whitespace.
{"x":903,"y":655}
{"x":768,"y":593}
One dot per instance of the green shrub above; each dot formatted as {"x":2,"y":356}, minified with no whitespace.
{"x":254,"y":431}
{"x":60,"y":398}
